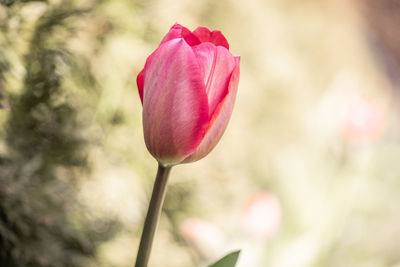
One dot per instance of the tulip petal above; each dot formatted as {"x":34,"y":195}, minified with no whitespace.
{"x":178,"y":31}
{"x":175,"y":108}
{"x":140,"y":82}
{"x":216,"y":63}
{"x":215,"y":37}
{"x":220,"y":118}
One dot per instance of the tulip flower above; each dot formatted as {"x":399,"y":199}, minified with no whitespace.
{"x":188,"y":88}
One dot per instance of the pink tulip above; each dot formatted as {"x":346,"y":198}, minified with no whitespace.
{"x":187,"y":88}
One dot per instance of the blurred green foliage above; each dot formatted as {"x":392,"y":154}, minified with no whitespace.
{"x":41,"y":223}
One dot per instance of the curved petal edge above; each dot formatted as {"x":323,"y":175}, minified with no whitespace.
{"x":220,"y":118}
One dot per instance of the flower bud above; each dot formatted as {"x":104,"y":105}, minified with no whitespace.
{"x":187,"y":88}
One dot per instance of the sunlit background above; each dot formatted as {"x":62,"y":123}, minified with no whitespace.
{"x":307,"y":173}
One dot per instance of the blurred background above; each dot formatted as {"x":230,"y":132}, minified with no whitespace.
{"x":307,"y":173}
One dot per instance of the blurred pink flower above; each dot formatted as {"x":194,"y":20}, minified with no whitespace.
{"x":365,"y":120}
{"x":262,"y":216}
{"x":204,"y":237}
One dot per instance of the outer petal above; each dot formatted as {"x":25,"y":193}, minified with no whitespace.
{"x":140,"y":84}
{"x":220,"y":119}
{"x":216,"y":63}
{"x":215,"y":37}
{"x":178,"y":31}
{"x":175,"y":109}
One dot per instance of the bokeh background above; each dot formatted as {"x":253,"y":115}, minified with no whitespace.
{"x":307,"y":173}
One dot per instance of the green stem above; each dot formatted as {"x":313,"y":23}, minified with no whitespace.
{"x":153,"y":214}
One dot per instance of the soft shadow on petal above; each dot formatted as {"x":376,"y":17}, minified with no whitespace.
{"x":220,"y":118}
{"x":216,"y":63}
{"x":175,"y":108}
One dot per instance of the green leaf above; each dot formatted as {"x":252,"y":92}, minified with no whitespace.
{"x":227,"y":261}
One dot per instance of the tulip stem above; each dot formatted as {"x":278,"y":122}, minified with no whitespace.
{"x":153,"y":214}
